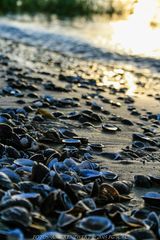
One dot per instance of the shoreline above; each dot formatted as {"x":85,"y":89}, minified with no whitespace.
{"x":52,"y":74}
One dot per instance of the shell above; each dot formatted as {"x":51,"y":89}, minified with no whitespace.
{"x":5,"y":131}
{"x":16,"y":234}
{"x":72,"y":142}
{"x":110,"y":128}
{"x":142,"y":233}
{"x":95,"y":226}
{"x":109,"y":176}
{"x":16,"y":216}
{"x":5,"y":182}
{"x":123,"y":187}
{"x":66,"y":220}
{"x":152,"y":199}
{"x":39,"y":171}
{"x":89,"y":174}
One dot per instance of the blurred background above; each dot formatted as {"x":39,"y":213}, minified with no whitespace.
{"x":69,"y":8}
{"x":130,"y":27}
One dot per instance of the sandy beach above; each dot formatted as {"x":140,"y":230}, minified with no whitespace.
{"x":124,"y":98}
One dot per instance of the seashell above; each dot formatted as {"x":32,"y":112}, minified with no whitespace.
{"x":155,"y":179}
{"x":72,"y":142}
{"x":74,"y":115}
{"x":113,"y":208}
{"x":51,"y":163}
{"x":60,"y":167}
{"x":152,"y":199}
{"x":123,"y":187}
{"x":97,"y":147}
{"x":15,"y":200}
{"x":83,"y":140}
{"x":13,"y":176}
{"x":16,"y":216}
{"x":110,"y":194}
{"x":110,"y":128}
{"x":39,"y":171}
{"x":109,"y":176}
{"x":127,"y":122}
{"x":89,"y":165}
{"x":138,"y":144}
{"x":143,"y":138}
{"x":85,"y":205}
{"x":33,"y":197}
{"x":70,"y":151}
{"x":24,"y":170}
{"x":5,"y":131}
{"x":56,"y":201}
{"x":52,"y":135}
{"x":66,"y":220}
{"x":11,"y":152}
{"x":95,"y":226}
{"x":96,"y":107}
{"x":66,"y":133}
{"x":51,"y":152}
{"x":142,"y":233}
{"x":24,"y":162}
{"x":39,"y":223}
{"x":142,"y":181}
{"x":89,"y":174}
{"x":71,"y":165}
{"x":26,"y":141}
{"x":132,"y":221}
{"x":112,"y":155}
{"x":15,"y":234}
{"x":68,"y":178}
{"x":5,"y":182}
{"x":141,"y":213}
{"x":37,"y":158}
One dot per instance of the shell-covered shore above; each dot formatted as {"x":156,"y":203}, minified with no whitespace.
{"x":79,"y":151}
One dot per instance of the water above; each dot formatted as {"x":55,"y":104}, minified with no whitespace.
{"x":132,"y":40}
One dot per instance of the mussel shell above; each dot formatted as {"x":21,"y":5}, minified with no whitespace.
{"x":24,"y":162}
{"x":95,"y":226}
{"x":16,"y":201}
{"x":16,"y":216}
{"x":108,"y":175}
{"x":110,"y":128}
{"x":97,"y":147}
{"x":89,"y":174}
{"x":155,"y":179}
{"x":142,"y":181}
{"x":152,"y":199}
{"x":15,"y":234}
{"x":39,"y":171}
{"x":66,"y":133}
{"x":123,"y":187}
{"x":132,"y":221}
{"x":13,"y":176}
{"x":72,"y":142}
{"x":142,"y":233}
{"x":89,"y":165}
{"x":5,"y":182}
{"x":66,"y":220}
{"x":5,"y":131}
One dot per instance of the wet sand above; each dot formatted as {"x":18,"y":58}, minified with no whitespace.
{"x":39,"y":66}
{"x":52,"y":64}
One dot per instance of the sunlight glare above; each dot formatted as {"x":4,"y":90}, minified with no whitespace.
{"x":136,"y":34}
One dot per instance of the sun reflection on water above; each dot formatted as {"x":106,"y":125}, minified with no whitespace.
{"x":118,"y":79}
{"x":136,"y":35}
